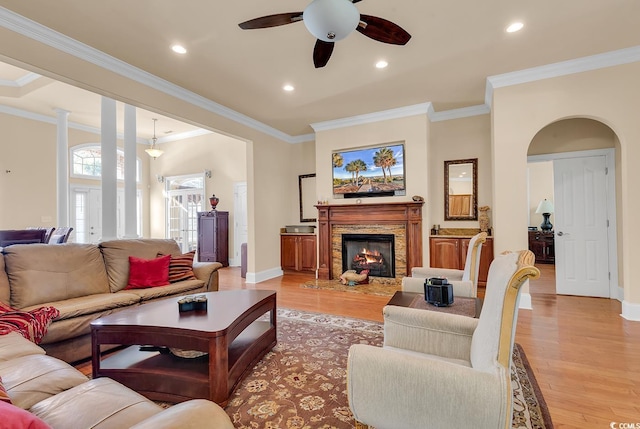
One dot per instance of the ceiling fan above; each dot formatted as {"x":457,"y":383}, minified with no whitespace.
{"x":333,"y":20}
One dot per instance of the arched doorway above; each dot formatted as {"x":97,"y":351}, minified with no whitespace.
{"x":574,"y":161}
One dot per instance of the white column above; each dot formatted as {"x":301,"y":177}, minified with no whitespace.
{"x":109,"y":150}
{"x":62,"y":167}
{"x":130,"y":184}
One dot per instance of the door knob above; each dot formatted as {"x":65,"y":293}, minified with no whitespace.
{"x":562,"y":233}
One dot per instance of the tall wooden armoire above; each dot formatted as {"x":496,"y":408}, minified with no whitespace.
{"x":213,"y":237}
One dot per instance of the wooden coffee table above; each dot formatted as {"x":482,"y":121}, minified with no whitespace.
{"x":228,"y":331}
{"x":461,"y":305}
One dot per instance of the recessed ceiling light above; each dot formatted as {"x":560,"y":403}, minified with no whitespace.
{"x":179,"y":49}
{"x":381,"y":64}
{"x":516,"y":26}
{"x":288,"y":88}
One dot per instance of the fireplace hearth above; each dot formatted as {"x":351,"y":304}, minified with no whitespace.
{"x":372,"y":252}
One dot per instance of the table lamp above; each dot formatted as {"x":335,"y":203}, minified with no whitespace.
{"x":546,"y":208}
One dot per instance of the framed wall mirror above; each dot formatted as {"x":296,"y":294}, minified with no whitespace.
{"x":461,"y":189}
{"x":307,"y":189}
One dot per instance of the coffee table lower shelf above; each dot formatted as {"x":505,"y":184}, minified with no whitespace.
{"x":162,"y":376}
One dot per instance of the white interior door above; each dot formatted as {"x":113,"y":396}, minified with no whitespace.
{"x":240,"y":225}
{"x":581,"y":241}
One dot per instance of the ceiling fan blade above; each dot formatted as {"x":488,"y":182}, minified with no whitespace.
{"x":322,"y":52}
{"x":382,"y":30}
{"x":271,"y":20}
{"x":355,"y":1}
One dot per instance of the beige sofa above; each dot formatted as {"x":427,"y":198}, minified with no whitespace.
{"x":63,"y":397}
{"x":85,"y":282}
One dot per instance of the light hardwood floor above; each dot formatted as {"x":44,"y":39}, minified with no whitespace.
{"x":586,"y":357}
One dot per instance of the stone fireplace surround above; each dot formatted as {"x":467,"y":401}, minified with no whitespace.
{"x":403,"y":219}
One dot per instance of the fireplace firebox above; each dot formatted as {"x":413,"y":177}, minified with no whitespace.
{"x":373,"y":252}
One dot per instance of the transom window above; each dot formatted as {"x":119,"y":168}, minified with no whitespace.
{"x":86,"y":161}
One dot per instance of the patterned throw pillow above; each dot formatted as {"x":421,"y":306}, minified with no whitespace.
{"x":4,"y":396}
{"x":181,"y":267}
{"x":31,"y":324}
{"x":146,"y":273}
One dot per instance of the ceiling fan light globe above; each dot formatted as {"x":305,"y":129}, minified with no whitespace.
{"x":331,"y":20}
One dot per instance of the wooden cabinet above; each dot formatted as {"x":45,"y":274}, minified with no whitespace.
{"x":213,"y":237}
{"x":451,"y":252}
{"x":542,"y":245}
{"x":298,"y":252}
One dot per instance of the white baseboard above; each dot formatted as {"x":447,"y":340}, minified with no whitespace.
{"x":620,"y":296}
{"x":264,"y":275}
{"x":525,"y":302}
{"x":630,"y":311}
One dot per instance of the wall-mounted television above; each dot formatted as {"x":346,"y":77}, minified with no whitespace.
{"x":374,"y":171}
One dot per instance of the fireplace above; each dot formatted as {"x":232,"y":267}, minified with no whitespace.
{"x":372,"y":252}
{"x":403,"y":220}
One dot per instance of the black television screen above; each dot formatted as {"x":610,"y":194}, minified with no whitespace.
{"x":369,"y":171}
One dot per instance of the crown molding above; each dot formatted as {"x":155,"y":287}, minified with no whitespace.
{"x":562,"y":68}
{"x":400,"y":112}
{"x":54,"y":121}
{"x":40,"y":33}
{"x":303,"y":138}
{"x":21,"y":81}
{"x":181,"y":136}
{"x":463,"y":112}
{"x":27,"y":79}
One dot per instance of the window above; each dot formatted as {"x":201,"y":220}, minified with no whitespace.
{"x":86,"y":162}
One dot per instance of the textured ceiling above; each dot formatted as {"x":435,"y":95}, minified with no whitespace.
{"x":455,"y":46}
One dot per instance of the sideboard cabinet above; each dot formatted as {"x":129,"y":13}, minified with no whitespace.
{"x":451,"y":252}
{"x":213,"y":237}
{"x":298,"y":252}
{"x":542,"y":245}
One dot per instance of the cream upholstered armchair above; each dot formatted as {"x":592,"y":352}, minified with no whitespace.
{"x":465,"y":282}
{"x":443,"y":370}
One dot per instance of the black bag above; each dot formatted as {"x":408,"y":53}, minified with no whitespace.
{"x":438,"y":291}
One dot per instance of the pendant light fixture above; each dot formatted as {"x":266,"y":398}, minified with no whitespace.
{"x":153,"y":151}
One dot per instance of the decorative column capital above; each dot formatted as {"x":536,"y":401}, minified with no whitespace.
{"x":61,"y":112}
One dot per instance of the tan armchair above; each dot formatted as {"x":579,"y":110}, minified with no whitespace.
{"x":442,"y":370}
{"x":465,"y":282}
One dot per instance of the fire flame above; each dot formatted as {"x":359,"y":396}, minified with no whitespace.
{"x":371,"y":256}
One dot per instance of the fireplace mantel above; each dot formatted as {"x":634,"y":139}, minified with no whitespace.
{"x":408,"y":214}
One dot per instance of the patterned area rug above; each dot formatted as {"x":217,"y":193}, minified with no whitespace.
{"x":373,"y":288}
{"x":301,"y":383}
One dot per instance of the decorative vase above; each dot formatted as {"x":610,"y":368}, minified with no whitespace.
{"x":483,"y":218}
{"x":214,"y":201}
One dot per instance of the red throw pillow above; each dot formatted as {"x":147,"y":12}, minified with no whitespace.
{"x":181,"y":267}
{"x":31,"y":324}
{"x":146,"y":273}
{"x":14,"y":418}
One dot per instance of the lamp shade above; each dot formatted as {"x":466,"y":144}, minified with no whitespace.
{"x":153,"y":152}
{"x":331,"y":20}
{"x":545,"y":206}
